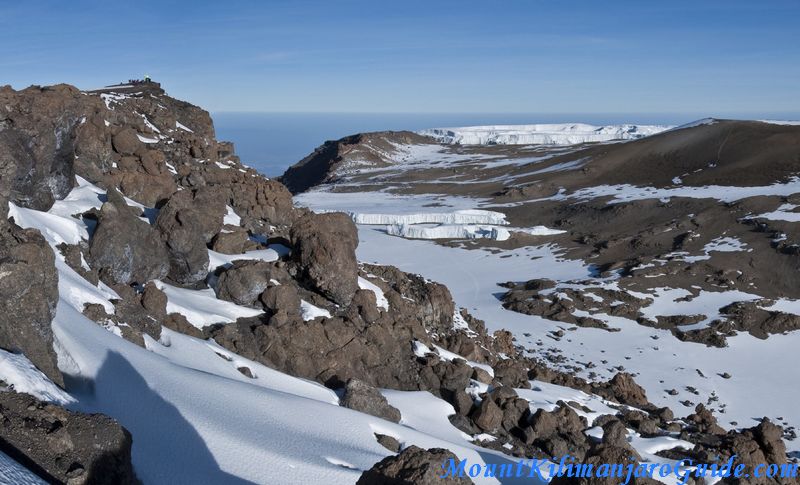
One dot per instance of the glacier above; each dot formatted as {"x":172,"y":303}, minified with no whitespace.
{"x":540,"y":134}
{"x":466,"y":216}
{"x":448,"y":231}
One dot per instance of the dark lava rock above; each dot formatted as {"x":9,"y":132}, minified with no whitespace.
{"x":76,"y":255}
{"x":615,"y":433}
{"x":364,"y":305}
{"x":42,"y":126}
{"x":559,"y":432}
{"x":526,"y":298}
{"x":703,"y":421}
{"x":63,"y":446}
{"x":429,"y":301}
{"x":124,"y":248}
{"x":599,"y":455}
{"x":179,"y":323}
{"x":28,"y":296}
{"x":130,"y":317}
{"x":8,"y":168}
{"x":244,"y":281}
{"x":357,"y":341}
{"x":488,"y":415}
{"x":324,"y":246}
{"x":760,"y":323}
{"x":388,"y":442}
{"x":282,"y":297}
{"x":126,"y":142}
{"x":512,"y":373}
{"x":187,"y":222}
{"x":757,"y":445}
{"x":626,"y":391}
{"x":261,"y":202}
{"x":154,"y":300}
{"x":332,"y":349}
{"x":413,"y":466}
{"x":360,"y":396}
{"x":233,"y":241}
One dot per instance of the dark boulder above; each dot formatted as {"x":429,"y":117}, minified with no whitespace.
{"x":261,"y":202}
{"x":187,"y":222}
{"x":324,"y":246}
{"x":488,"y":415}
{"x":364,"y":305}
{"x":388,"y":442}
{"x":559,"y":432}
{"x":154,"y":300}
{"x":360,"y":396}
{"x":281,"y":297}
{"x":244,"y":281}
{"x":413,"y":466}
{"x":63,"y":446}
{"x":126,"y":142}
{"x":332,"y":350}
{"x":625,"y":390}
{"x":124,"y":248}
{"x":179,"y":323}
{"x":233,"y":240}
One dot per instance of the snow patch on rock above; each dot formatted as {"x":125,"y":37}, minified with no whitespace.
{"x":19,"y":373}
{"x":365,"y":284}
{"x":201,"y":307}
{"x":310,"y":312}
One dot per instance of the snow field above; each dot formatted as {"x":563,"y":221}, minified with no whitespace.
{"x":189,"y":406}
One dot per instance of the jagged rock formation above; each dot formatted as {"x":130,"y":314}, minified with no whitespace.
{"x":39,"y":128}
{"x":28,"y":296}
{"x":28,"y":280}
{"x":62,"y":446}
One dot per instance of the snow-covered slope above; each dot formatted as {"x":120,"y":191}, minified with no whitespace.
{"x":194,"y":416}
{"x":546,"y":134}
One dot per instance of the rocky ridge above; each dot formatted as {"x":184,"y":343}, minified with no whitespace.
{"x":174,"y":199}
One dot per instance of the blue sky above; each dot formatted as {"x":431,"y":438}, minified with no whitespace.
{"x":706,"y":57}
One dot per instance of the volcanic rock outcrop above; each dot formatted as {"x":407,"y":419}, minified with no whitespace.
{"x":325,"y":249}
{"x":413,"y":466}
{"x":63,"y":446}
{"x":28,"y":280}
{"x":124,"y":248}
